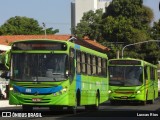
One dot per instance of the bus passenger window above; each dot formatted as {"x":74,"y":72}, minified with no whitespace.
{"x":94,"y":65}
{"x":83,"y":62}
{"x":145,"y":73}
{"x":99,"y":67}
{"x":88,"y":64}
{"x":104,"y":67}
{"x":78,"y":62}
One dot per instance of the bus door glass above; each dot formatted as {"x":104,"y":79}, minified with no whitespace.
{"x":71,"y":71}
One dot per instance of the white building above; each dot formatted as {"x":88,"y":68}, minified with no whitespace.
{"x":79,"y":7}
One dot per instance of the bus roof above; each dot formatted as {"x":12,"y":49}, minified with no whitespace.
{"x":85,"y":49}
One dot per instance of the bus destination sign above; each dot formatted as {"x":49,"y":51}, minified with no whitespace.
{"x":38,"y":45}
{"x":125,"y":62}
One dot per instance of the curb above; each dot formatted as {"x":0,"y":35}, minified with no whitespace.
{"x":5,"y":103}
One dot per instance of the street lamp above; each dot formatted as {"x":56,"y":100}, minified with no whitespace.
{"x":138,"y":43}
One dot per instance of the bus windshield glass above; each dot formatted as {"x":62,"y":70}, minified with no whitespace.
{"x":39,"y":67}
{"x":125,"y":75}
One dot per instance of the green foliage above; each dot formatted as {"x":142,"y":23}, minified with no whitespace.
{"x":124,"y":22}
{"x":155,"y":30}
{"x":90,"y":25}
{"x":134,"y":10}
{"x":23,"y":26}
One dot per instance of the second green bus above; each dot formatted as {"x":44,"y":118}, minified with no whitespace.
{"x":132,"y":80}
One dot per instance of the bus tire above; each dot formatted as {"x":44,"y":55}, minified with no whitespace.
{"x":27,"y":108}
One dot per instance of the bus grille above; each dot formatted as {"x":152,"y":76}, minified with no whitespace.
{"x":124,"y":92}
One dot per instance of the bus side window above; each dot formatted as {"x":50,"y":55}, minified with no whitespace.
{"x":71,"y":63}
{"x":78,"y":59}
{"x":145,"y":73}
{"x":152,"y":73}
{"x":83,"y":63}
{"x":94,"y":65}
{"x":99,"y":66}
{"x":89,"y":64}
{"x":104,"y":64}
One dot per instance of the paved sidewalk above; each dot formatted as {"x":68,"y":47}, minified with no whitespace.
{"x":5,"y":103}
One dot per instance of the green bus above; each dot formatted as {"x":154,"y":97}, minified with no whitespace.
{"x":56,"y":74}
{"x":132,"y":80}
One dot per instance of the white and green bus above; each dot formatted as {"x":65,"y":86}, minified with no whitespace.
{"x":132,"y":80}
{"x":56,"y":74}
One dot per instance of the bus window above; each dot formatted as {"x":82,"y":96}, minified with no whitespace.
{"x":78,"y":61}
{"x":104,"y":67}
{"x":83,"y":62}
{"x":145,"y":73}
{"x":99,"y":66}
{"x":94,"y":65}
{"x":88,"y":64}
{"x":71,"y":64}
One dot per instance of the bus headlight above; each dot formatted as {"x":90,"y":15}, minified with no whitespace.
{"x":64,"y":90}
{"x":11,"y":88}
{"x":14,"y":90}
{"x":138,"y":92}
{"x":109,"y":91}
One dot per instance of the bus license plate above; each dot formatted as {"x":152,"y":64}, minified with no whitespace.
{"x":36,"y":99}
{"x":124,"y":97}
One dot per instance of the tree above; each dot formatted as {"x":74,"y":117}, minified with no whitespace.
{"x":125,"y":21}
{"x":90,"y":25}
{"x":155,"y":30}
{"x":134,"y":10}
{"x":23,"y":26}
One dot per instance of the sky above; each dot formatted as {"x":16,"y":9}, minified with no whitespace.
{"x":54,"y":13}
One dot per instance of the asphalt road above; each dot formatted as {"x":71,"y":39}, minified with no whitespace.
{"x":124,"y":110}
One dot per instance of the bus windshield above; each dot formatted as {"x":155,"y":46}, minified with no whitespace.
{"x":125,"y":75}
{"x":39,"y":67}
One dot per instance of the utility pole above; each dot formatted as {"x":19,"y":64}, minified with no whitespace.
{"x":138,"y":43}
{"x":44,"y":27}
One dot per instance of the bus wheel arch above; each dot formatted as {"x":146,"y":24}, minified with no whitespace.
{"x":78,"y":97}
{"x":97,"y":99}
